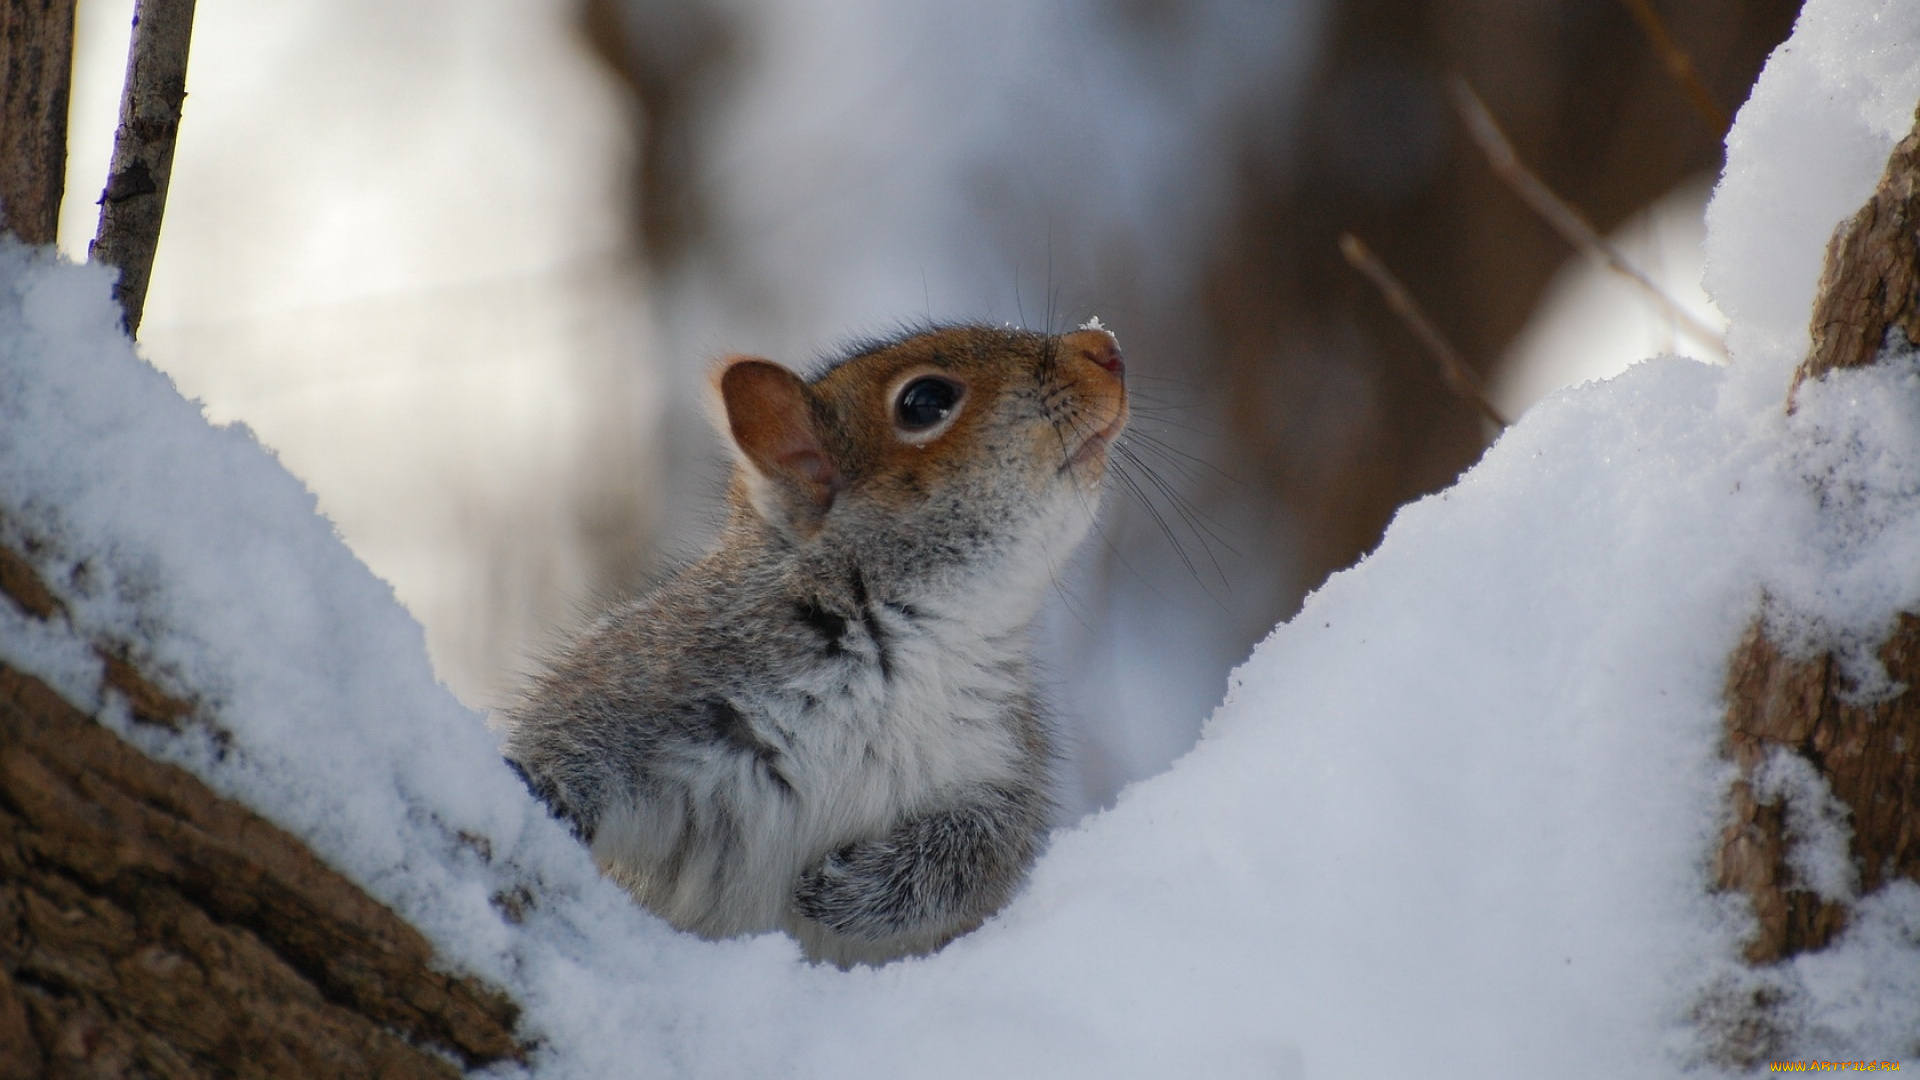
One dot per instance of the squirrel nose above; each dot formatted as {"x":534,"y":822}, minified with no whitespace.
{"x":1100,"y":347}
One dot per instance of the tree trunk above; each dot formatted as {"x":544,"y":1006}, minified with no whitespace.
{"x":36,"y":62}
{"x":150,"y":928}
{"x":1867,"y":753}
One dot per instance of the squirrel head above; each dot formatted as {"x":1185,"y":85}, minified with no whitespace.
{"x":937,"y":452}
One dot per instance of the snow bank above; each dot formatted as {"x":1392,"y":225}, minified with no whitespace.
{"x":1454,"y":818}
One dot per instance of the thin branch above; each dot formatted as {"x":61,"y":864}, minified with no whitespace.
{"x":36,"y":67}
{"x":1459,"y":377}
{"x":135,"y":200}
{"x":1565,"y":220}
{"x":1678,"y":64}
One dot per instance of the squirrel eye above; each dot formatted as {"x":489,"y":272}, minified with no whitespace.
{"x":925,"y":402}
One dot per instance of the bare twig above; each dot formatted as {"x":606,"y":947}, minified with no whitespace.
{"x":1459,"y":377}
{"x":1565,"y":220}
{"x":1678,"y":64}
{"x":136,"y":196}
{"x":36,"y":67}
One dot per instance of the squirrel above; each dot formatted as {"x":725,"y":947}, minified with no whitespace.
{"x":828,"y":725}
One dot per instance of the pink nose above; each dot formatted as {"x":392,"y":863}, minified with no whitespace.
{"x":1097,"y":346}
{"x":1108,"y":356}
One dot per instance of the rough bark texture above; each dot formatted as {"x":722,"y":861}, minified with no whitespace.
{"x":150,"y":928}
{"x":1868,"y":754}
{"x":36,"y":65}
{"x":1869,"y":283}
{"x":136,"y":197}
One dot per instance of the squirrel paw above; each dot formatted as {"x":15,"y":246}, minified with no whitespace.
{"x":850,"y":893}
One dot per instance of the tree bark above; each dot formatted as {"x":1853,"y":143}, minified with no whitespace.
{"x":1868,"y":285}
{"x":1867,"y":753}
{"x":36,"y":67}
{"x":150,"y":928}
{"x":135,"y":201}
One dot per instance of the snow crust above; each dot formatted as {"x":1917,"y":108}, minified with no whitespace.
{"x":1454,"y":818}
{"x":1804,"y":153}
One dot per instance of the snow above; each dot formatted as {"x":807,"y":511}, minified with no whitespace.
{"x":1817,"y":822}
{"x":1804,"y":153}
{"x":1454,"y":817}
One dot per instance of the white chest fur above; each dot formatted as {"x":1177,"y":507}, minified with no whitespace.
{"x":920,"y":708}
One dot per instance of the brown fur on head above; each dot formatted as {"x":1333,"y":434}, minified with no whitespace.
{"x":1035,"y":409}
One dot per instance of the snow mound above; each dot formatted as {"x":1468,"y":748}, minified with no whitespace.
{"x":1456,"y":816}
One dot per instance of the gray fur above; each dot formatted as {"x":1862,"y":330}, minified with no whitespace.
{"x":832,"y":735}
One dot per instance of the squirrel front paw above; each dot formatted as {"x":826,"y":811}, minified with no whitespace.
{"x":939,"y":874}
{"x":852,"y":892}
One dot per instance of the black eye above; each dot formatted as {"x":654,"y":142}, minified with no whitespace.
{"x":926,"y":402}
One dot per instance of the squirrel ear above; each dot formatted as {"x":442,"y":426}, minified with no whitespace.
{"x":770,"y":417}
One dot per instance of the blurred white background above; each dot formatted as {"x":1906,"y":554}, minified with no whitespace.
{"x":1593,"y":323}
